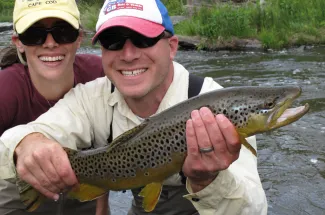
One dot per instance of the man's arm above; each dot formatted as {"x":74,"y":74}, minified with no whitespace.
{"x":37,"y":146}
{"x":224,"y":180}
{"x":218,"y":182}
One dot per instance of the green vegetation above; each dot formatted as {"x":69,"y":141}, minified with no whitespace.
{"x":175,"y":7}
{"x":276,"y":23}
{"x":6,"y":10}
{"x":90,"y":10}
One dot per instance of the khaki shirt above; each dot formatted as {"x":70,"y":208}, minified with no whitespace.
{"x":84,"y":116}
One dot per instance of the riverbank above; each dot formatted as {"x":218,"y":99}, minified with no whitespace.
{"x":225,"y":25}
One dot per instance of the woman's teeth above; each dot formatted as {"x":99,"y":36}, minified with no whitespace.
{"x":134,"y":72}
{"x":51,"y":59}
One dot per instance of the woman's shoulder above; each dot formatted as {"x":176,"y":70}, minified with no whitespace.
{"x":88,"y":67}
{"x":14,"y":82}
{"x":88,"y":57}
{"x":14,"y":74}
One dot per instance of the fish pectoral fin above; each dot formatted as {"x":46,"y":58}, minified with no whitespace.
{"x":246,"y":144}
{"x":86,"y":192}
{"x":150,"y":193}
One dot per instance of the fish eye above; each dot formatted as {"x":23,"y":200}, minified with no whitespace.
{"x":270,"y":102}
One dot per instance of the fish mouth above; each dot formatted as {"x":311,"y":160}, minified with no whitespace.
{"x":285,"y":115}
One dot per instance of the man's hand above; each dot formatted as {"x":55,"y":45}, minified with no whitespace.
{"x":44,"y":164}
{"x":205,"y":131}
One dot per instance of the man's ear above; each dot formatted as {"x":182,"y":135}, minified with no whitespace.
{"x":173,"y":44}
{"x":15,"y":40}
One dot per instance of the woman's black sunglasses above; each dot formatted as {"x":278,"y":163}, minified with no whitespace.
{"x":116,"y":42}
{"x":37,"y":35}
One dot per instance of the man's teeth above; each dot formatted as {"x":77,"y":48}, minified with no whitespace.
{"x":51,"y":59}
{"x":134,"y":72}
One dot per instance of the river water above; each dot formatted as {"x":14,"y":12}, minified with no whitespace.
{"x":291,"y":160}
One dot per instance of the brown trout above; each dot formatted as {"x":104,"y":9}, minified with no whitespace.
{"x":151,"y":152}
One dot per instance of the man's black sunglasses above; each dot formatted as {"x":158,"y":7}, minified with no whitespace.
{"x":37,"y":35}
{"x":116,"y":42}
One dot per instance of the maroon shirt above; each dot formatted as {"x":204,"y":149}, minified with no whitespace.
{"x":21,"y":103}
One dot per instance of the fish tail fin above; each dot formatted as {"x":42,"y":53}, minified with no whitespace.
{"x":30,"y":197}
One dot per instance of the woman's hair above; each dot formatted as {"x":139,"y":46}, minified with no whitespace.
{"x":22,"y":57}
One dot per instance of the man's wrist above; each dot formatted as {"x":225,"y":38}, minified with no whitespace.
{"x":198,"y":185}
{"x":19,"y":147}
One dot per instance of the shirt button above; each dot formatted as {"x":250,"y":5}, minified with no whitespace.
{"x":195,"y":199}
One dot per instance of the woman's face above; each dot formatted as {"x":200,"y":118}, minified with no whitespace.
{"x":50,"y":60}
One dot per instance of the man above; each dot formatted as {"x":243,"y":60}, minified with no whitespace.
{"x":46,"y":37}
{"x":138,"y":48}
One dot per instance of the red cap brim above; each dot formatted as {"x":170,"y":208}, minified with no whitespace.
{"x":144,"y":27}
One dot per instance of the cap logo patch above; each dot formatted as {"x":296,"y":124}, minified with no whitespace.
{"x":113,"y":5}
{"x":34,"y":3}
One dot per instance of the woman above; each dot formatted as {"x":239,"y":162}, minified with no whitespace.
{"x":47,"y":36}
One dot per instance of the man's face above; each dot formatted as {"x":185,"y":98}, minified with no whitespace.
{"x":50,"y":60}
{"x":138,"y":72}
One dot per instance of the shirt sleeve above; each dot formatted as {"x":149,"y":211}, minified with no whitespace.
{"x":80,"y":120}
{"x":236,"y":190}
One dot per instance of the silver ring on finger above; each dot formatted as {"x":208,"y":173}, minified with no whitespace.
{"x":206,"y":150}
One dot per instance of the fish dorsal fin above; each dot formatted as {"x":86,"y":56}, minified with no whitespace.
{"x":70,"y":152}
{"x":150,"y":193}
{"x":124,"y":137}
{"x":86,"y":192}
